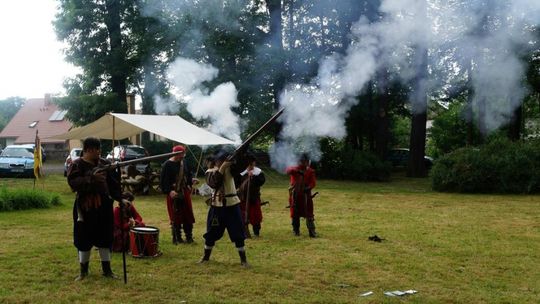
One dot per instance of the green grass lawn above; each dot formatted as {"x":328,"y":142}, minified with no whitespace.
{"x":452,"y":248}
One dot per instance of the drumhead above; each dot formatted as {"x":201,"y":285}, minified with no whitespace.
{"x":147,"y":229}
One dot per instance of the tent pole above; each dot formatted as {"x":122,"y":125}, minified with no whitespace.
{"x":199,"y":164}
{"x":113,"y":132}
{"x":195,"y":157}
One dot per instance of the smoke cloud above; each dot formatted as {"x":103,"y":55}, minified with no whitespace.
{"x":486,"y":34}
{"x":187,"y":77}
{"x":479,"y":39}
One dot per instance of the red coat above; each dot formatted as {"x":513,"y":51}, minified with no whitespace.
{"x":302,"y":182}
{"x":118,"y":225}
{"x":254,"y":211}
{"x":183,"y":214}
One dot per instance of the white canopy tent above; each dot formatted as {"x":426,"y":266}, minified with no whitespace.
{"x":117,"y":126}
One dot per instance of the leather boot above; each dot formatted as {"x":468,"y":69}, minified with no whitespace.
{"x":173,"y":233}
{"x":243,"y":259}
{"x":256,"y":229}
{"x":84,"y":272}
{"x":310,"y":223}
{"x":107,"y":271}
{"x":206,"y":256}
{"x":296,"y":225}
{"x":188,"y":230}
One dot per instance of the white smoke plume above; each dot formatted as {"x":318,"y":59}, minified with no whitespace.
{"x":187,"y":77}
{"x":319,"y":109}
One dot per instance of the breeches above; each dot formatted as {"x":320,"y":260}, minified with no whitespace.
{"x":221,"y":218}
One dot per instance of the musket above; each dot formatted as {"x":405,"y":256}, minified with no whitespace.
{"x":254,"y":135}
{"x":246,"y":214}
{"x":115,"y":165}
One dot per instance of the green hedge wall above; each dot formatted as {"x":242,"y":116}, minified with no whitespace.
{"x":500,"y":166}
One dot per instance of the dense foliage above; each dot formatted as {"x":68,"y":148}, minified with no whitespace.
{"x":342,"y":162}
{"x":262,"y":46}
{"x":21,"y":199}
{"x":500,"y":166}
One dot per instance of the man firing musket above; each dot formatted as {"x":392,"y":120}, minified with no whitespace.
{"x":300,"y":197}
{"x":225,"y":212}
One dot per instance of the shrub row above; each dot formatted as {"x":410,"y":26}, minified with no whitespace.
{"x":500,"y":166}
{"x":21,"y":199}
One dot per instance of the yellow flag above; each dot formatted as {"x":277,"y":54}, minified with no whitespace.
{"x":37,"y":157}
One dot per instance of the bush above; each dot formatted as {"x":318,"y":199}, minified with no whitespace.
{"x":342,"y":162}
{"x":500,"y":166}
{"x":21,"y":199}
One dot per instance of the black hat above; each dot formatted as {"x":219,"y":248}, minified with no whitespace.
{"x":250,"y":157}
{"x":221,"y":155}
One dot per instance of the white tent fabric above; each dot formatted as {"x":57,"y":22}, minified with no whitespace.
{"x":125,"y":125}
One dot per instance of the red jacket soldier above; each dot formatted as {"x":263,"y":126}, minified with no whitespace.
{"x":176,"y":182}
{"x":125,"y":218}
{"x":300,"y":198}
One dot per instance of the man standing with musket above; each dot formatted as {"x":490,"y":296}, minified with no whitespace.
{"x":249,"y":193}
{"x":93,"y":208}
{"x":300,"y":198}
{"x":176,"y":182}
{"x":224,"y":212}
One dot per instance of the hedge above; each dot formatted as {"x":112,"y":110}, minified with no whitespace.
{"x":21,"y":199}
{"x":500,"y":166}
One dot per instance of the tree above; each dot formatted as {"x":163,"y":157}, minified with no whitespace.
{"x":98,"y":38}
{"x":8,"y":108}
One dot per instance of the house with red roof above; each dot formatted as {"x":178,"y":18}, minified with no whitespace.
{"x":44,"y":116}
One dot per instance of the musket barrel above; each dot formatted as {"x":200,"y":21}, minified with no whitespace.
{"x":136,"y":161}
{"x":252,"y":136}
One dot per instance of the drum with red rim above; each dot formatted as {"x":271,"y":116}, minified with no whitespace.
{"x":144,"y":242}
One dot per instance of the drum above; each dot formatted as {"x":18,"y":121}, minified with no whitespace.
{"x":144,"y":242}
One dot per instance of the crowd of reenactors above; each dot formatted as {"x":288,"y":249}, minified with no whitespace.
{"x":234,"y":205}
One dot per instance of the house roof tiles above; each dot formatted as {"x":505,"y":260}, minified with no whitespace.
{"x":40,"y":111}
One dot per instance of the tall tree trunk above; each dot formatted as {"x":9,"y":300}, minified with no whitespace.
{"x":382,"y":122}
{"x":469,"y":108}
{"x":416,"y":166}
{"x":276,"y":32}
{"x":482,"y":125}
{"x":117,"y":54}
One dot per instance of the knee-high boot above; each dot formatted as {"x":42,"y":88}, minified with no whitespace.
{"x":173,"y":233}
{"x":257,"y":229}
{"x":310,"y":223}
{"x":84,"y":271}
{"x":188,"y":230}
{"x":243,"y":258}
{"x":296,"y":225}
{"x":207,"y":252}
{"x":107,"y":271}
